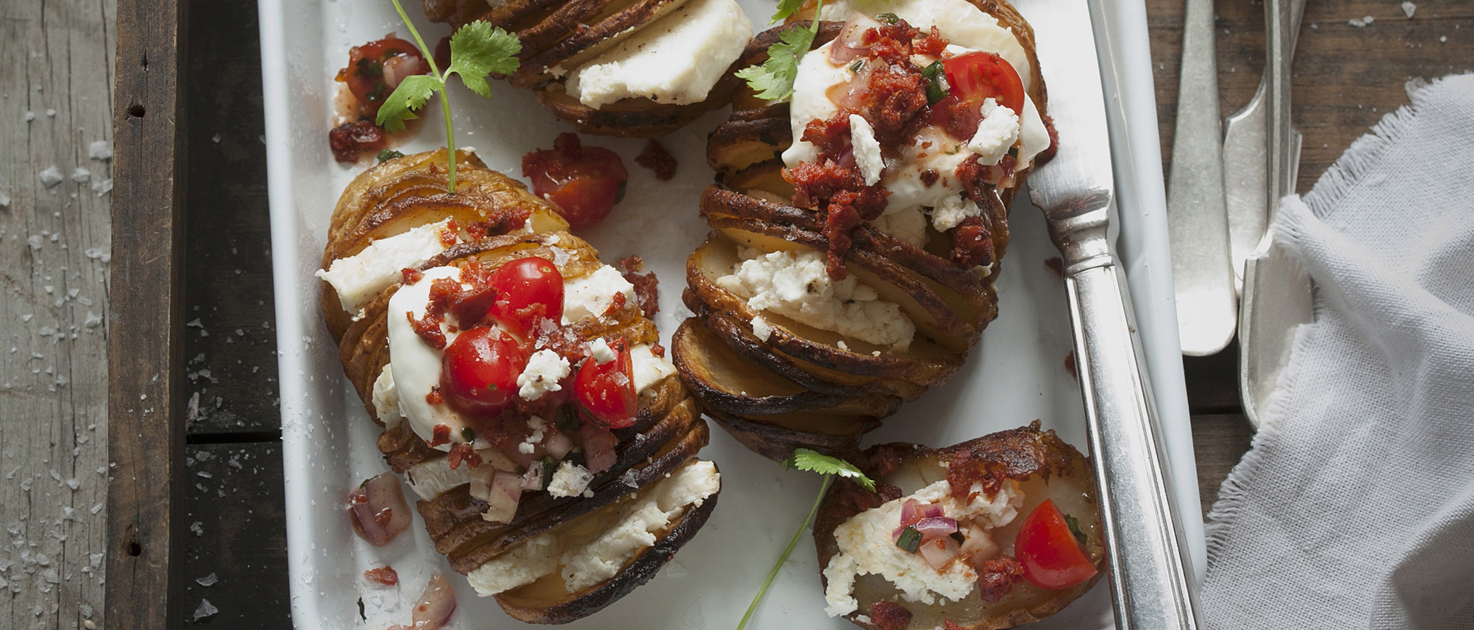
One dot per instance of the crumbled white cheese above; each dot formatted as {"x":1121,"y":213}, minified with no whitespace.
{"x":360,"y":277}
{"x":640,"y":521}
{"x":535,"y":436}
{"x":600,"y":351}
{"x":648,"y":368}
{"x":907,"y":225}
{"x":602,"y":559}
{"x":569,"y":480}
{"x":676,"y":59}
{"x":521,"y":566}
{"x":866,"y":547}
{"x":997,"y":132}
{"x":761,"y":329}
{"x":544,"y":370}
{"x":796,"y":284}
{"x":386,"y":399}
{"x":591,"y":295}
{"x":951,"y":211}
{"x":867,"y":149}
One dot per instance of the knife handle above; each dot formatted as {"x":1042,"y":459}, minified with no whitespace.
{"x":1144,"y":543}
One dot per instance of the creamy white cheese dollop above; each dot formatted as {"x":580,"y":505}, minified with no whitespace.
{"x":797,"y":284}
{"x":414,"y":364}
{"x":866,"y":547}
{"x":677,"y":59}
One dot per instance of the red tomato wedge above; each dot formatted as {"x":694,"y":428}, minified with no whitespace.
{"x":972,"y":78}
{"x":585,"y":182}
{"x":1051,"y":556}
{"x":606,"y":392}
{"x":480,"y":368}
{"x":527,"y":290}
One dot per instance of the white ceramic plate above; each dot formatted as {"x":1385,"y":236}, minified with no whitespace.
{"x":1016,"y":376}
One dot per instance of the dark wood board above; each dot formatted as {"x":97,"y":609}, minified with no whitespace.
{"x":230,"y":334}
{"x":235,"y":520}
{"x":145,"y":351}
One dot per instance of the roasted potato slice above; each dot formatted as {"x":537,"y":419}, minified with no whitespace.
{"x":1042,"y":465}
{"x":408,"y":193}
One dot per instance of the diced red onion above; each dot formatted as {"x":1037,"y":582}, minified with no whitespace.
{"x":910,"y":512}
{"x":524,"y":460}
{"x":397,"y":68}
{"x":978,"y":545}
{"x":934,"y":527}
{"x":502,"y":497}
{"x":850,"y":43}
{"x":932,"y":510}
{"x":939,"y":552}
{"x":598,"y":448}
{"x":853,"y":94}
{"x":436,"y":605}
{"x":558,"y":446}
{"x":378,"y":510}
{"x":532,"y":480}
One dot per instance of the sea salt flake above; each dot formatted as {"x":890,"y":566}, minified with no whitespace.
{"x":50,"y":177}
{"x":81,"y":175}
{"x":205,"y":610}
{"x":100,"y":150}
{"x":208,"y":580}
{"x":1408,"y":8}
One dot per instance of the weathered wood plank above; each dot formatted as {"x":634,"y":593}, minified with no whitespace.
{"x":55,"y":95}
{"x":1219,"y":441}
{"x":235,"y":513}
{"x":231,"y":349}
{"x":146,"y":350}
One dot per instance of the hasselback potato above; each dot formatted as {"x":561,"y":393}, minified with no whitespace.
{"x":597,"y":505}
{"x":782,"y":355}
{"x":630,"y":68}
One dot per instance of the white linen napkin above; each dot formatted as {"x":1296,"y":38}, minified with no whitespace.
{"x":1355,"y":506}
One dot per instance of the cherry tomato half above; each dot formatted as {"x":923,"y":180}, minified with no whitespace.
{"x":972,"y":78}
{"x":606,"y":392}
{"x":479,"y":371}
{"x":1051,"y":557}
{"x":527,"y":290}
{"x":585,"y":182}
{"x":376,"y":68}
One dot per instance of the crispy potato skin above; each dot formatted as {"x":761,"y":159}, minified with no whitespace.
{"x":408,"y":192}
{"x":748,"y":206}
{"x":559,"y":35}
{"x":1025,"y":454}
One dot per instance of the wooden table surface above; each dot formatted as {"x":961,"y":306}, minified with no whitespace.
{"x":56,"y":86}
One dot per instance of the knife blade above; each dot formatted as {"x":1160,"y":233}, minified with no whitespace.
{"x":1148,"y":577}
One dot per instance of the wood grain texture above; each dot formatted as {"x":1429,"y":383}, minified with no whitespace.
{"x":146,"y":412}
{"x":55,"y":90}
{"x":230,"y":337}
{"x":1219,"y":441}
{"x":235,"y":520}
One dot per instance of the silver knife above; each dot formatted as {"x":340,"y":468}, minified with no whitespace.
{"x":1197,"y":221}
{"x":1148,"y":567}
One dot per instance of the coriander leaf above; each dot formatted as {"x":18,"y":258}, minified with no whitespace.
{"x":409,"y":96}
{"x":1075,"y":529}
{"x":478,"y":49}
{"x":888,"y":18}
{"x":787,"y":8}
{"x":805,"y":459}
{"x":385,"y":156}
{"x":773,"y":80}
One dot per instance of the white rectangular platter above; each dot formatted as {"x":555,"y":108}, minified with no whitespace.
{"x":1018,"y":373}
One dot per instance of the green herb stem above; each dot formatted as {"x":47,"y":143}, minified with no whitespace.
{"x":450,"y":138}
{"x":813,"y":511}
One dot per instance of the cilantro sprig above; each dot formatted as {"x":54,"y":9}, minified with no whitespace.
{"x":810,"y":461}
{"x":476,"y":50}
{"x":774,"y":79}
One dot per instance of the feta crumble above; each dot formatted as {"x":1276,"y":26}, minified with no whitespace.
{"x":796,"y":284}
{"x":592,"y":295}
{"x":867,"y":149}
{"x":544,"y":370}
{"x":569,"y":480}
{"x":359,"y":278}
{"x":952,"y":211}
{"x":997,"y":133}
{"x":761,"y":329}
{"x":600,"y":351}
{"x":386,"y":399}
